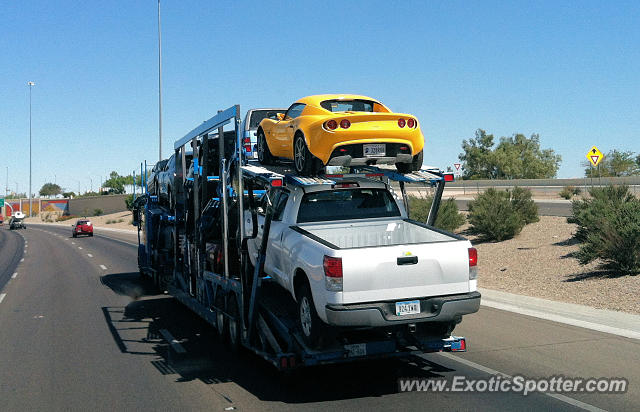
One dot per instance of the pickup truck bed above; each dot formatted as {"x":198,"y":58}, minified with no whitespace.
{"x":341,"y":235}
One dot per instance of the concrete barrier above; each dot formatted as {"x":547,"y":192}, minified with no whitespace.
{"x":85,"y":206}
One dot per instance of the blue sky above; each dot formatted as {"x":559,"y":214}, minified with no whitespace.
{"x":569,"y":71}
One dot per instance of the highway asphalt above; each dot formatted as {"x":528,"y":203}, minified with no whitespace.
{"x":79,"y":330}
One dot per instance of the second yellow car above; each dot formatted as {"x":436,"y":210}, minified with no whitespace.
{"x":341,"y":130}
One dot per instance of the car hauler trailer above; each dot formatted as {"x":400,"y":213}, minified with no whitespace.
{"x":196,"y":249}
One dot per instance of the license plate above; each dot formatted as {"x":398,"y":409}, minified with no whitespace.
{"x":373,"y":149}
{"x":357,"y":349}
{"x":407,"y":308}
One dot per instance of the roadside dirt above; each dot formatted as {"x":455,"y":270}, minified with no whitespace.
{"x":538,"y":263}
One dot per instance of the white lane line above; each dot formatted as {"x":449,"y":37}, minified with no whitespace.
{"x":103,"y":267}
{"x":2,"y":295}
{"x":73,"y":243}
{"x":562,"y":398}
{"x":22,"y":260}
{"x":15,"y":275}
{"x":79,"y":247}
{"x":89,"y":254}
{"x":633,"y":334}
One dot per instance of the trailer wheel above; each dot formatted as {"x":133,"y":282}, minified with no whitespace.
{"x":234,"y":324}
{"x":220,"y":323}
{"x":310,"y":324}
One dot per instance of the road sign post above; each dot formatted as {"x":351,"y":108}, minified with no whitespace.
{"x":595,"y":156}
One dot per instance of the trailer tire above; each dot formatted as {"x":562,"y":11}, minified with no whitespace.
{"x":234,"y":325}
{"x":220,"y":323}
{"x":311,"y":326}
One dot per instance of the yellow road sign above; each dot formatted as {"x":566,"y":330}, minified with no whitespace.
{"x":595,"y":156}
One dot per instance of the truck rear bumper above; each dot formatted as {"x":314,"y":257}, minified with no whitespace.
{"x":433,"y":309}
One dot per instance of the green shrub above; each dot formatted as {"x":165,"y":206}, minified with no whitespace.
{"x":588,"y":213}
{"x":108,"y":222}
{"x":64,"y":218}
{"x":118,"y":221}
{"x":568,"y":192}
{"x":609,"y":229}
{"x":493,"y":216}
{"x":449,"y":218}
{"x":524,"y":205}
{"x":129,"y":201}
{"x":97,"y":212}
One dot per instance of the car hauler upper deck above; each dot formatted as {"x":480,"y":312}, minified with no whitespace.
{"x":197,"y":249}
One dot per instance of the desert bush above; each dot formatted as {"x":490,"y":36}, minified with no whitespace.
{"x":587,"y":213}
{"x":493,"y":216}
{"x":110,"y":221}
{"x":449,"y":218}
{"x":568,"y":192}
{"x":129,"y":201}
{"x":118,"y":221}
{"x":67,"y":217}
{"x":609,"y":229}
{"x":524,"y":205}
{"x":97,"y":212}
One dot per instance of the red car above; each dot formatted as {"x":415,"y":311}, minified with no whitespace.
{"x":82,"y":227}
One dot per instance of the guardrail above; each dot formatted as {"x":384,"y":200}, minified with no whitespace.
{"x":582,"y":181}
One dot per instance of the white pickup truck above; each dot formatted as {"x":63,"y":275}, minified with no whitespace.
{"x":350,"y":257}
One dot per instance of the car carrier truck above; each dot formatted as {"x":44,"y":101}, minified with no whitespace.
{"x":305,"y":270}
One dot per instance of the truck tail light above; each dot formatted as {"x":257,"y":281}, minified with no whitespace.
{"x":473,"y":263}
{"x":333,"y":273}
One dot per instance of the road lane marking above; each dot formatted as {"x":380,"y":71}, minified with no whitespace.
{"x":79,"y":247}
{"x":2,"y":295}
{"x":89,"y":254}
{"x":73,"y":243}
{"x":103,"y":267}
{"x":22,"y":260}
{"x":15,"y":275}
{"x":562,"y":398}
{"x":536,"y":313}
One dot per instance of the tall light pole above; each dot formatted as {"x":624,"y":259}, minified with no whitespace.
{"x":30,"y":84}
{"x":159,"y":86}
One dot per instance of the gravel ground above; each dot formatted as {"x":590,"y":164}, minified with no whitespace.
{"x":537,"y":263}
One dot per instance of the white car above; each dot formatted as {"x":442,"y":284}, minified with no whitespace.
{"x":250,"y":126}
{"x":350,"y":257}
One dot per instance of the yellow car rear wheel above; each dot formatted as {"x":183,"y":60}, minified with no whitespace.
{"x":304,"y":161}
{"x":416,"y":164}
{"x":264,"y":154}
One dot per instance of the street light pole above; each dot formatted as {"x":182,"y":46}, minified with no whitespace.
{"x":30,"y":84}
{"x":159,"y":86}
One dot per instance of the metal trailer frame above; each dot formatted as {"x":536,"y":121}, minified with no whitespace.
{"x":231,"y":302}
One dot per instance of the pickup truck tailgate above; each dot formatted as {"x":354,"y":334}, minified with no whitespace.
{"x":397,"y":260}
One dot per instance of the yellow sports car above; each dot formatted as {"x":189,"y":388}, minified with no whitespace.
{"x":341,"y":130}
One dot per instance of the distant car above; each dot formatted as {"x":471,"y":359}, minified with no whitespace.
{"x":153,"y":186}
{"x":341,"y":130}
{"x":250,"y":127}
{"x":82,"y":227}
{"x":17,"y":221}
{"x":1,"y":219}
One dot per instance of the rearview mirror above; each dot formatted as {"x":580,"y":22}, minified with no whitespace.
{"x":280,"y":116}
